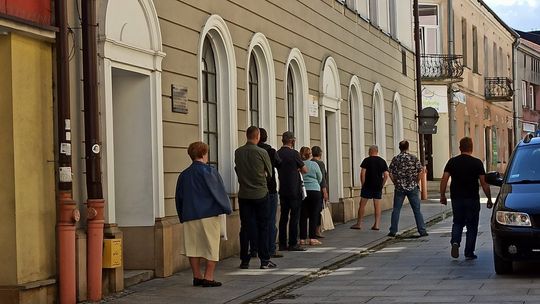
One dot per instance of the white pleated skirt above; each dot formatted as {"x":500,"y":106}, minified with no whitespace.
{"x":201,"y":238}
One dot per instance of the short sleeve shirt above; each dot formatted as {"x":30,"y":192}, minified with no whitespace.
{"x":289,"y":177}
{"x":405,"y":168}
{"x":375,"y":167}
{"x":464,"y":170}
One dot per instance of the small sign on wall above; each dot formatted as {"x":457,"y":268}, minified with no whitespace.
{"x":179,"y":99}
{"x":313,"y":106}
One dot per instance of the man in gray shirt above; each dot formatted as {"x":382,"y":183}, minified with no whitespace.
{"x":252,"y":165}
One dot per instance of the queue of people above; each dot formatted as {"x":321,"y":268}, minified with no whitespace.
{"x":201,"y":199}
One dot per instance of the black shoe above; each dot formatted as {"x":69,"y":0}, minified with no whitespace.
{"x":391,"y":234}
{"x":471,"y":257}
{"x":212,"y":283}
{"x":254,"y":254}
{"x":244,"y":265}
{"x":454,"y":252}
{"x":283,"y":248}
{"x":297,"y":248}
{"x":197,"y":282}
{"x":423,"y":234}
{"x":268,"y":265}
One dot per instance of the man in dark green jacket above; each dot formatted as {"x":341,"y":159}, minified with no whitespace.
{"x":252,"y":166}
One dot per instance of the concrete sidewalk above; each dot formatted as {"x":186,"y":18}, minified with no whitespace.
{"x":240,"y":286}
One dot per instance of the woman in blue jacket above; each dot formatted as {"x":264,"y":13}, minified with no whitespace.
{"x":200,"y":199}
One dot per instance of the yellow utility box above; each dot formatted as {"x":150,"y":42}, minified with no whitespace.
{"x":112,"y":253}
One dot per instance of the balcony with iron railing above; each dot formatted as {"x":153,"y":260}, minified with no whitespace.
{"x":498,"y":88}
{"x":437,"y":67}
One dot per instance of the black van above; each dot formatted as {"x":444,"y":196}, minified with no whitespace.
{"x":515,"y":222}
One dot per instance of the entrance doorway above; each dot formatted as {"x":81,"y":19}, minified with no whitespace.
{"x":487,"y":144}
{"x":333,"y":157}
{"x":132,"y":142}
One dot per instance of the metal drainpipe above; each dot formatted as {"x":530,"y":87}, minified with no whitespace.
{"x":67,"y":213}
{"x":422,"y":152}
{"x":450,"y":93}
{"x":95,"y":201}
{"x":516,"y":115}
{"x":418,"y":78}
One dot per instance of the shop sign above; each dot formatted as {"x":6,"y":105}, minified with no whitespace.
{"x":435,"y":97}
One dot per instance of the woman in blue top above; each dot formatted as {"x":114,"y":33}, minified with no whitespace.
{"x":200,"y":199}
{"x":310,"y":205}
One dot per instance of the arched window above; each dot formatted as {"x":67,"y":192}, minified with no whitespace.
{"x":290,"y":101}
{"x":210,"y":130}
{"x":296,"y":92}
{"x":217,"y":97}
{"x":357,"y":128}
{"x":397,"y":115}
{"x":379,"y":124}
{"x":253,"y":92}
{"x":261,"y":88}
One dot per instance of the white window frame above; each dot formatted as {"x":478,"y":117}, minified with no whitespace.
{"x":379,"y":123}
{"x":260,"y":48}
{"x":437,"y":27}
{"x":218,"y":33}
{"x":397,"y":123}
{"x":373,"y":12}
{"x":532,"y":97}
{"x":301,"y":91}
{"x":357,"y":128}
{"x":524,"y":93}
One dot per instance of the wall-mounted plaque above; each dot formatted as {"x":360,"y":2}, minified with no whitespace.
{"x":179,"y":99}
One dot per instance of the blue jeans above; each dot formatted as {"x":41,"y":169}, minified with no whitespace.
{"x":414,"y":201}
{"x":254,"y":227}
{"x":466,"y":214}
{"x":272,"y":229}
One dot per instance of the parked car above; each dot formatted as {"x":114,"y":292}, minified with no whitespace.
{"x":515,"y":222}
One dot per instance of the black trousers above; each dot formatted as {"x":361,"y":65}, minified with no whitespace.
{"x":254,"y":216}
{"x":310,"y":212}
{"x":292,"y":207}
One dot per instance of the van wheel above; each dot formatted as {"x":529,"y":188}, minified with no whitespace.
{"x":502,"y":266}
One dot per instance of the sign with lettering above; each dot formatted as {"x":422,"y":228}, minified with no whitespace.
{"x":179,"y":99}
{"x":436,"y":97}
{"x":313,"y":106}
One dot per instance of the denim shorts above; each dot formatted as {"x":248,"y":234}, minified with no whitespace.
{"x":370,"y":193}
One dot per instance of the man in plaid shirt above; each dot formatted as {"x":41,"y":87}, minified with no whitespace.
{"x":405,"y":171}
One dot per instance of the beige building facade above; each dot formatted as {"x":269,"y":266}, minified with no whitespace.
{"x":476,"y":102}
{"x":340,"y":74}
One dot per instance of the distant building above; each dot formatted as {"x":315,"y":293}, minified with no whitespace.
{"x":467,"y":77}
{"x":527,"y":83}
